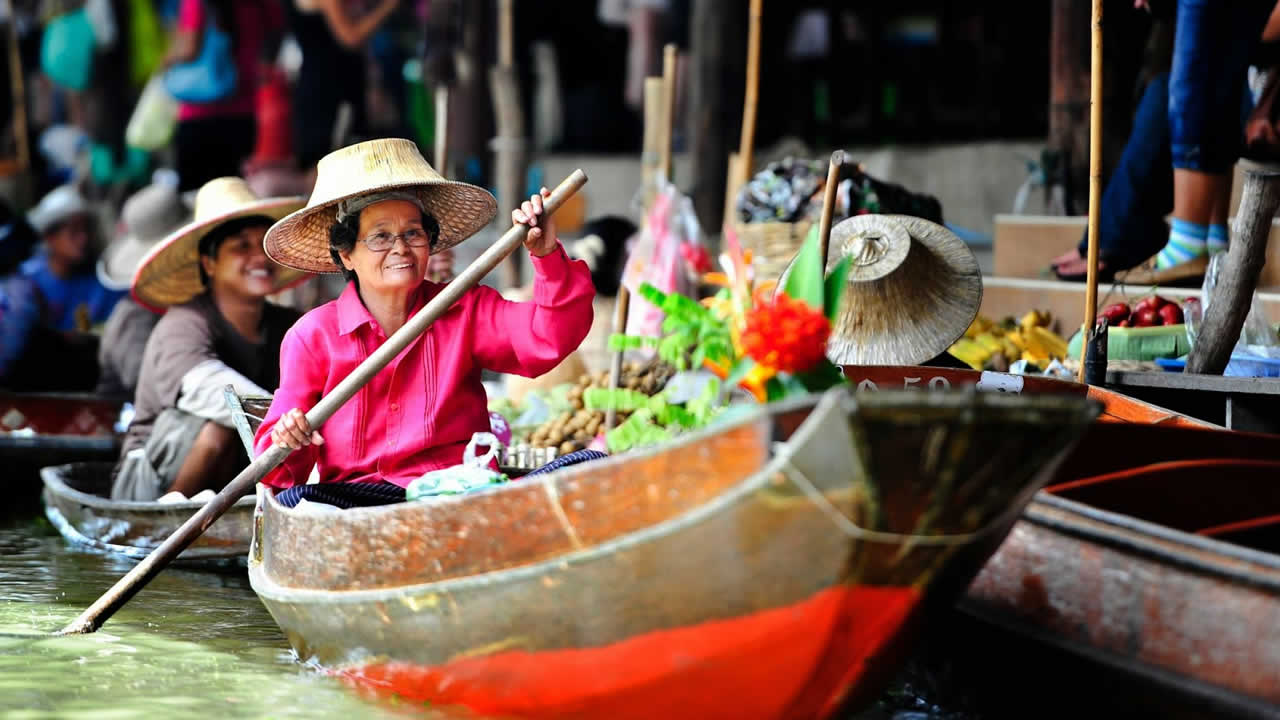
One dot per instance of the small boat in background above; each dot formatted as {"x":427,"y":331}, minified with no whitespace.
{"x":1155,"y":550}
{"x":77,"y":503}
{"x":39,"y":429}
{"x":771,"y":566}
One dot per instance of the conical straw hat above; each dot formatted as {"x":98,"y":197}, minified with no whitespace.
{"x":170,"y":274}
{"x":302,"y":240}
{"x":149,"y":216}
{"x":913,"y":290}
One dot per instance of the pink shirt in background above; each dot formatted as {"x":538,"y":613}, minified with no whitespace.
{"x":420,"y":411}
{"x":255,"y":20}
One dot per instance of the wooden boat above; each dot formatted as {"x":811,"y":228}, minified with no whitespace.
{"x":34,"y":423}
{"x":77,"y":502}
{"x":770,"y":566}
{"x":1155,"y":550}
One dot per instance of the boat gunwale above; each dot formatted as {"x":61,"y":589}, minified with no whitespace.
{"x":1130,"y":534}
{"x":269,"y":589}
{"x":192,"y":554}
{"x":61,"y":489}
{"x":1234,"y":702}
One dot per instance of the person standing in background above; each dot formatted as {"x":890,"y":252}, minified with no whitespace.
{"x":333,"y":72}
{"x":213,"y":139}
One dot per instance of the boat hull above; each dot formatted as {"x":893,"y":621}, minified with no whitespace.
{"x":76,"y":504}
{"x":1153,"y":551}
{"x":784,"y":587}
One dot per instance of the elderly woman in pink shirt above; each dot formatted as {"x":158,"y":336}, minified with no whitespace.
{"x":377,"y":214}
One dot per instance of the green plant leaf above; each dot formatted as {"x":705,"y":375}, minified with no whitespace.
{"x":739,"y":372}
{"x":822,"y":377}
{"x":805,"y":281}
{"x":774,"y":389}
{"x":833,"y":288}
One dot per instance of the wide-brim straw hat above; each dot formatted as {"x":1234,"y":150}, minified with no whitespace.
{"x":170,"y":273}
{"x":148,"y":216}
{"x":301,"y":240}
{"x":913,"y":290}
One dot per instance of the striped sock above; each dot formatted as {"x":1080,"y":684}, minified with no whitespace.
{"x":1186,"y":242}
{"x":1216,"y":242}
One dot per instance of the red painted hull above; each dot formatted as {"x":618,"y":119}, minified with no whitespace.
{"x":797,"y":661}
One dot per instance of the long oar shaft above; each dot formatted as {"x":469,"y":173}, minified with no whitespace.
{"x":125,"y":588}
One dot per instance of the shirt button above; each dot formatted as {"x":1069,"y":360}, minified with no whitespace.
{"x":395,"y":407}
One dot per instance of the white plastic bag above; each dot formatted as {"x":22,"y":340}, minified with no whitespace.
{"x":472,"y":474}
{"x":103,"y":21}
{"x":154,"y":118}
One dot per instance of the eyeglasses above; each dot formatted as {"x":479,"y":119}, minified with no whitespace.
{"x":383,"y":241}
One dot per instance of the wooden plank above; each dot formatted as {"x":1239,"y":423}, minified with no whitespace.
{"x":1002,"y":296}
{"x":1023,"y":245}
{"x":1197,"y":383}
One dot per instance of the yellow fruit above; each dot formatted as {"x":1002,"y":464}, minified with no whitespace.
{"x":989,"y":343}
{"x":970,"y":353}
{"x":1050,"y":343}
{"x":1011,"y":348}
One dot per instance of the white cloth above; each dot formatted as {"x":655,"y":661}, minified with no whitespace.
{"x":202,"y":391}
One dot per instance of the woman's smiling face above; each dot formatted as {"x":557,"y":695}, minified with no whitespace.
{"x":403,"y":266}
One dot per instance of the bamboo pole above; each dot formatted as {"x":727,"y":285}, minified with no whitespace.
{"x":829,"y":204}
{"x":124,"y":589}
{"x":1095,"y":186}
{"x":651,"y":156}
{"x":751,"y":96}
{"x":668,"y":111}
{"x":509,"y":145}
{"x":441,"y":153}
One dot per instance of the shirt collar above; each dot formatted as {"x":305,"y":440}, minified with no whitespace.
{"x":352,"y":313}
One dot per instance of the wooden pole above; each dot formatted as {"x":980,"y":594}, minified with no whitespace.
{"x":441,"y":154}
{"x":1095,"y":186}
{"x":752,"y":94}
{"x":620,"y":311}
{"x":509,"y":148}
{"x":651,"y":155}
{"x":668,"y":111}
{"x":18,"y":86}
{"x":829,"y":204}
{"x":714,"y":27}
{"x":1238,"y":273}
{"x":124,"y":589}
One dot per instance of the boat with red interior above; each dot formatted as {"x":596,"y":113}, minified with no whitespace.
{"x":1155,"y":549}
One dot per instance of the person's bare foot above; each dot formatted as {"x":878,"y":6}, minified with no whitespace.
{"x":1067,"y":258}
{"x":1077,"y":268}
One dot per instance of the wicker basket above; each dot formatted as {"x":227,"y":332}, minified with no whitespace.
{"x":772,"y":244}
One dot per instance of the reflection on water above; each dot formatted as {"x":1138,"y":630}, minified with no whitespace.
{"x":191,"y":642}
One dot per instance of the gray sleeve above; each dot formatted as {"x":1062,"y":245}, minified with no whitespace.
{"x":202,"y":386}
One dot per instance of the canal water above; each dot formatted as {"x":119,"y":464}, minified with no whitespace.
{"x":193,"y":643}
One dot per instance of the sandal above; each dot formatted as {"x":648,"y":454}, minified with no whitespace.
{"x":1189,"y":274}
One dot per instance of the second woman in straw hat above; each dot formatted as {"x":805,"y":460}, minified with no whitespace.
{"x":377,"y":214}
{"x":213,"y":277}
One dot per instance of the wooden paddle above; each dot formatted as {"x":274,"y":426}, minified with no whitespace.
{"x":1095,"y":189}
{"x":124,"y":589}
{"x":829,"y":205}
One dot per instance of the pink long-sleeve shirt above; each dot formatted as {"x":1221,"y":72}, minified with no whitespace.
{"x":420,"y":411}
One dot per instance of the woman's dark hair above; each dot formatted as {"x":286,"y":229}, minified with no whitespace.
{"x":213,"y":239}
{"x":344,"y":235}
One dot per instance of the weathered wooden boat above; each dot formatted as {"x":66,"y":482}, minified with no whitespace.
{"x":770,"y":566}
{"x":1155,"y":550}
{"x":77,"y":502}
{"x":36,"y":423}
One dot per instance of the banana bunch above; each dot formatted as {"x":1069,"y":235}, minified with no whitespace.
{"x":987,"y":345}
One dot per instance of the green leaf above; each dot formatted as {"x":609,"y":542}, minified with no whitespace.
{"x":805,"y":281}
{"x":822,"y":377}
{"x":739,"y":372}
{"x":791,"y":385}
{"x":774,"y":389}
{"x":833,"y":288}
